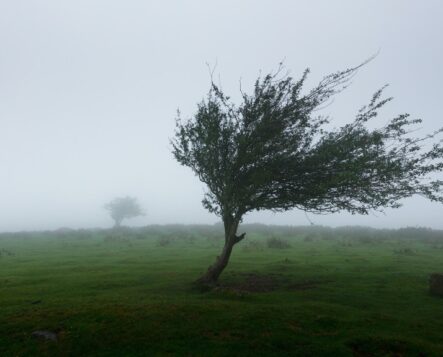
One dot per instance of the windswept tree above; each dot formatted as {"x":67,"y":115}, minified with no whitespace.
{"x":121,"y":208}
{"x":273,"y":151}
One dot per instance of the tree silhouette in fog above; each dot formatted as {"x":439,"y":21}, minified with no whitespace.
{"x":121,"y":208}
{"x":274,"y":151}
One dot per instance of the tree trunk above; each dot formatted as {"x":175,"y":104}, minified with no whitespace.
{"x":117,"y":223}
{"x":211,"y":276}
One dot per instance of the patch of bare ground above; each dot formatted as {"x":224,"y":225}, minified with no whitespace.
{"x":261,"y":283}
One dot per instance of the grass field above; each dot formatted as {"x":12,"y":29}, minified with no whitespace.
{"x":332,"y":292}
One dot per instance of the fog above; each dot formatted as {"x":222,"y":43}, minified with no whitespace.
{"x":89,"y":92}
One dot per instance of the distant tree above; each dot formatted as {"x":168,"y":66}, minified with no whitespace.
{"x":122,"y":208}
{"x":274,"y":151}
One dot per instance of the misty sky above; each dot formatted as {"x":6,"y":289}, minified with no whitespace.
{"x":89,"y":92}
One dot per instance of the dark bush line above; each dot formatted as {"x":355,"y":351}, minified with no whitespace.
{"x":215,"y":233}
{"x":277,"y":243}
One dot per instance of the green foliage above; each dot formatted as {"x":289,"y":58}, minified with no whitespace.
{"x":273,"y":151}
{"x":121,"y":208}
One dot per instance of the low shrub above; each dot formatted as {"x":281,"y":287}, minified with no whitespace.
{"x":164,"y":241}
{"x":6,"y":253}
{"x":252,"y":245}
{"x":277,"y":243}
{"x":309,"y":237}
{"x":116,"y":238}
{"x":405,"y":251}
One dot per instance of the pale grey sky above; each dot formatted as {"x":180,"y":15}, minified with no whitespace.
{"x":89,"y":91}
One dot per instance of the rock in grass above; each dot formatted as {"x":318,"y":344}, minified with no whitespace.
{"x":47,"y":335}
{"x":436,"y":284}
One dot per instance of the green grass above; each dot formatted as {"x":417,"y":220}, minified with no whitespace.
{"x":357,"y":292}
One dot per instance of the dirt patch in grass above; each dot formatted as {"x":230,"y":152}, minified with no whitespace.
{"x":258,"y":283}
{"x":261,"y":283}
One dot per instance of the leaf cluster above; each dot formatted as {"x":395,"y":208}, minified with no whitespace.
{"x":273,"y":151}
